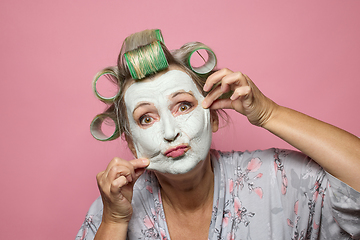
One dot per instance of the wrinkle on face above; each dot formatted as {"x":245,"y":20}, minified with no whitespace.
{"x":165,"y":94}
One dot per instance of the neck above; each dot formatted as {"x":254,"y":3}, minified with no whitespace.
{"x":191,"y":191}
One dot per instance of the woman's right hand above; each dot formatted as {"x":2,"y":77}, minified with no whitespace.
{"x":116,"y":187}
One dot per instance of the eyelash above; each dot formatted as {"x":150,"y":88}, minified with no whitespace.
{"x":142,"y":118}
{"x":188,"y":104}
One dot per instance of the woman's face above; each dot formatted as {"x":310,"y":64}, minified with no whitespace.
{"x":167,"y":122}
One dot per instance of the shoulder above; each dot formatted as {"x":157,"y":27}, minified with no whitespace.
{"x":92,"y":221}
{"x":267,"y":155}
{"x":96,"y":210}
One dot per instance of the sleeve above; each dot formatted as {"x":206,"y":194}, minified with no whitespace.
{"x":331,"y":207}
{"x":345,"y":206}
{"x":92,"y":221}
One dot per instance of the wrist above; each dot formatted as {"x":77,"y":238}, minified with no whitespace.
{"x":272,"y":116}
{"x":115,"y":220}
{"x":269,"y":113}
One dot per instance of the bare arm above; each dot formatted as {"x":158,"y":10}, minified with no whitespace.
{"x":336,"y":150}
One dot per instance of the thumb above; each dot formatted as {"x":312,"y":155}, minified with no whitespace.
{"x":139,"y":165}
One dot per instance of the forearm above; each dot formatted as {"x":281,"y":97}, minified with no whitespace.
{"x":111,"y":231}
{"x":336,"y":150}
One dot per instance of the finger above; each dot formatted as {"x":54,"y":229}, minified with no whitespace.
{"x":117,"y":184}
{"x":215,"y":78}
{"x":211,"y":97}
{"x":119,"y":171}
{"x":241,"y":92}
{"x":139,"y":172}
{"x":221,"y":104}
{"x":117,"y":161}
{"x":236,"y":79}
{"x":229,"y":83}
{"x":139,"y":166}
{"x":140,"y":163}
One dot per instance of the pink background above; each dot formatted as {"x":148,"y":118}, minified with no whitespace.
{"x":302,"y":54}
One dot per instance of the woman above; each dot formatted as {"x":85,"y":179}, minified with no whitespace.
{"x":176,"y":187}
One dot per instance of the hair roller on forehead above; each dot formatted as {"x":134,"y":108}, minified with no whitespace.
{"x":143,"y":54}
{"x":146,"y":60}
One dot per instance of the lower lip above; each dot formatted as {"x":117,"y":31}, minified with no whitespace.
{"x":176,"y":153}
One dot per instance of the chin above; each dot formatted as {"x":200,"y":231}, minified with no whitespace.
{"x":180,"y":165}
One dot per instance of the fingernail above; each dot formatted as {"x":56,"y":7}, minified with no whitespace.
{"x":205,"y":88}
{"x":145,"y":161}
{"x":204,"y":104}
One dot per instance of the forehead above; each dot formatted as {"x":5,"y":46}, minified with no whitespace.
{"x":159,"y":89}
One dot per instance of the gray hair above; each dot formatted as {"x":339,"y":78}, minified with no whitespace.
{"x":121,"y":76}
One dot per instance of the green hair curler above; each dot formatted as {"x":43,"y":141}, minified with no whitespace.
{"x":96,"y":131}
{"x":97,"y":94}
{"x":146,"y":60}
{"x":208,"y":66}
{"x":159,"y":35}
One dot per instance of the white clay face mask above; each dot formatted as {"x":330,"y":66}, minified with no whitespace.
{"x":167,"y":122}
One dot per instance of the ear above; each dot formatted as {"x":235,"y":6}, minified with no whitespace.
{"x":214,"y":119}
{"x":130,"y":145}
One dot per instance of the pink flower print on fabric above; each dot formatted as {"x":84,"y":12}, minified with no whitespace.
{"x":149,"y":188}
{"x":150,"y":232}
{"x":148,"y":222}
{"x":231,"y":185}
{"x":243,"y":177}
{"x":230,"y":236}
{"x":296,"y":234}
{"x":88,"y":223}
{"x":316,"y":191}
{"x":241,"y":214}
{"x":226,"y":218}
{"x":163,"y":234}
{"x":254,"y":165}
{"x":278,"y":165}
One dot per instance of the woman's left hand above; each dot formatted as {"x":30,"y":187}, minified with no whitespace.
{"x":246,"y":99}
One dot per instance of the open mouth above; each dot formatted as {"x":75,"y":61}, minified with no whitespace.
{"x":177,"y":151}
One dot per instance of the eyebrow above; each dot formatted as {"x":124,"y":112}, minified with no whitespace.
{"x":181,"y":92}
{"x":140,"y":105}
{"x":172,"y":96}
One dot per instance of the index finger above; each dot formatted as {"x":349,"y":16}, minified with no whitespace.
{"x":139,"y":166}
{"x":215,"y":78}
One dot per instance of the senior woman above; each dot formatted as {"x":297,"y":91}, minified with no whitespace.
{"x":178,"y":188}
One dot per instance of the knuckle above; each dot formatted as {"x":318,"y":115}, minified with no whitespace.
{"x":99,"y":176}
{"x":114,"y":185}
{"x":226,"y":70}
{"x":239,"y":75}
{"x":117,"y":160}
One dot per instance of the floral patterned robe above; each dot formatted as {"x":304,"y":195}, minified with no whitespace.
{"x":271,"y":194}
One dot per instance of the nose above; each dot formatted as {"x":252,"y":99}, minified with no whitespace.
{"x":171,"y":131}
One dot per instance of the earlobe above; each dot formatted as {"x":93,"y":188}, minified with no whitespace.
{"x":214,"y":119}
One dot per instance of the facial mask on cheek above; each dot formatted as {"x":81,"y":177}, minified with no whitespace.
{"x":193,"y":128}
